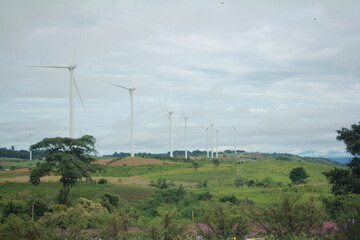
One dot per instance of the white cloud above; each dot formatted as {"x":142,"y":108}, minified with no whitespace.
{"x":286,"y":80}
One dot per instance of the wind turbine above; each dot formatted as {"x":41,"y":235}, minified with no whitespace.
{"x":211,"y":134}
{"x":216,"y":142}
{"x":207,"y":140}
{"x":185,"y":118}
{"x":71,"y":66}
{"x":131,"y":91}
{"x":235,"y":128}
{"x":169,"y":113}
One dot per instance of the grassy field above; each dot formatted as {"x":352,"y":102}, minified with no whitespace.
{"x":7,"y":163}
{"x":132,"y":182}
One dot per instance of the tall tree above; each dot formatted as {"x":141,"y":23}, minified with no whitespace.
{"x":68,"y":157}
{"x":347,"y":180}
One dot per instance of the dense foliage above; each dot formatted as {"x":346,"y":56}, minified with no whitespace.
{"x":68,"y":157}
{"x":346,"y":181}
{"x":298,"y":175}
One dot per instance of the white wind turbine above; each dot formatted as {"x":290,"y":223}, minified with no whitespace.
{"x":71,"y":66}
{"x":207,"y":140}
{"x":131,"y":91}
{"x":185,"y":118}
{"x":169,"y":113}
{"x":235,"y":128}
{"x":211,"y":133}
{"x":216,"y":142}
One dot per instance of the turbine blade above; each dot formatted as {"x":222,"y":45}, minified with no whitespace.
{"x":117,"y":85}
{"x":76,"y":48}
{"x":49,"y":66}
{"x":170,"y":99}
{"x":77,"y":90}
{"x":165,"y":113}
{"x":183,"y":112}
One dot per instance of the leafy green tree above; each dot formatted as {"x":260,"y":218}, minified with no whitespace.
{"x":351,"y":138}
{"x":68,"y":157}
{"x":347,"y":180}
{"x":298,"y":175}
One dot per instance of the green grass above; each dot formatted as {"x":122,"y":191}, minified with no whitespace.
{"x":128,"y":171}
{"x":254,"y":170}
{"x":10,"y":174}
{"x":220,"y":180}
{"x":49,"y":191}
{"x":18,"y":163}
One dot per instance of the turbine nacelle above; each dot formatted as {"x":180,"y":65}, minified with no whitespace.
{"x":72,"y":67}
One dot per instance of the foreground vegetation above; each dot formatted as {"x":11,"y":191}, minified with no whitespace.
{"x":270,"y":196}
{"x":175,"y":201}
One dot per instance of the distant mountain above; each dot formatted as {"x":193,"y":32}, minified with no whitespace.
{"x":341,"y":159}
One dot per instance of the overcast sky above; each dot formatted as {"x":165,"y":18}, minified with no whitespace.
{"x":285,"y":73}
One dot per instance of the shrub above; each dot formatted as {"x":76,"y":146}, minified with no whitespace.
{"x":102,"y":181}
{"x":230,"y":198}
{"x":202,"y":184}
{"x":291,"y":217}
{"x":16,"y":227}
{"x":222,"y":221}
{"x":241,"y":182}
{"x":110,"y":201}
{"x":205,"y":196}
{"x":162,"y":183}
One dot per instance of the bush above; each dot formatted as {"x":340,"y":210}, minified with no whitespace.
{"x":202,"y":184}
{"x":291,"y":217}
{"x":162,"y":183}
{"x":241,"y":182}
{"x":102,"y":181}
{"x":230,"y":198}
{"x":205,"y":196}
{"x":22,"y":228}
{"x":110,"y":201}
{"x":223,"y":221}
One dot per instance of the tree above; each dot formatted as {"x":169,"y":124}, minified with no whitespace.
{"x":298,"y":175}
{"x":68,"y":157}
{"x":346,"y":181}
{"x":351,"y":138}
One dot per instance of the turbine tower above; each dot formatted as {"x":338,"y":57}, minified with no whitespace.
{"x":185,"y":118}
{"x":211,"y":134}
{"x":207,"y":140}
{"x":131,"y":91}
{"x":235,"y":137}
{"x":216,"y":142}
{"x":71,"y":66}
{"x":169,"y":113}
